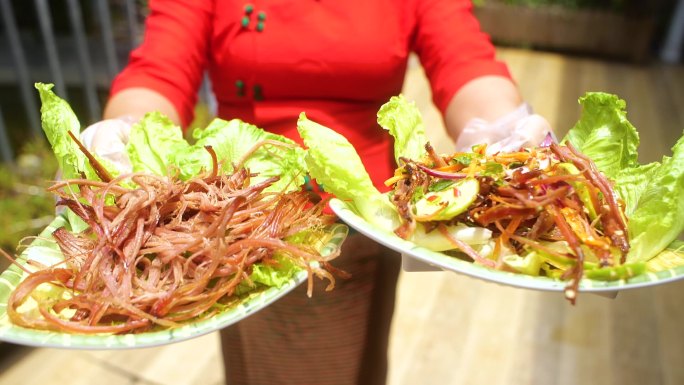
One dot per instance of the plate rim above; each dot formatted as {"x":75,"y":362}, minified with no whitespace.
{"x":345,"y":211}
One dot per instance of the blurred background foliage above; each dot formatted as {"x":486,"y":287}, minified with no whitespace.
{"x":25,"y":204}
{"x":628,"y":7}
{"x":593,"y":4}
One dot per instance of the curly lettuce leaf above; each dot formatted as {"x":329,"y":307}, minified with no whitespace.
{"x":604,"y":134}
{"x":404,"y":122}
{"x":652,"y":192}
{"x":334,"y":163}
{"x":58,"y":119}
{"x":282,"y":269}
{"x":156,"y":145}
{"x":153,"y":144}
{"x":232,"y":140}
{"x":657,"y":218}
{"x":275,"y":274}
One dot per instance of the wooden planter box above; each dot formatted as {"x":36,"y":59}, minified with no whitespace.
{"x":578,"y":31}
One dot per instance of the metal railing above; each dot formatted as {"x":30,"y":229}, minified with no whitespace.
{"x":671,"y":51}
{"x":77,"y":57}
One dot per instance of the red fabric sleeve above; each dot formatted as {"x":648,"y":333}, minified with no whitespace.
{"x":173,"y":55}
{"x":452,"y":48}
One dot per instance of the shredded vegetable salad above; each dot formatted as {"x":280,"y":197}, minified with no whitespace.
{"x":549,"y":210}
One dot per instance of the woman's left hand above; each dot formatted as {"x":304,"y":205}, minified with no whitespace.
{"x":512,"y":131}
{"x":108,"y":138}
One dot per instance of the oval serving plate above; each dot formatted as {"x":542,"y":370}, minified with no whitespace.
{"x":347,"y":214}
{"x":45,"y":250}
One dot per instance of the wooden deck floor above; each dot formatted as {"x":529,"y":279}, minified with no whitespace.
{"x":450,"y":329}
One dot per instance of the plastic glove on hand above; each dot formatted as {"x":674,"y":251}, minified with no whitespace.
{"x":512,"y":131}
{"x":108,"y":139}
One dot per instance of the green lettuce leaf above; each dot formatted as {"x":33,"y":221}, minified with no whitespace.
{"x":652,"y":193}
{"x":233,"y":139}
{"x":153,"y":144}
{"x":284,"y":269}
{"x":157,"y":145}
{"x":604,"y":134}
{"x":271,"y":275}
{"x":404,"y":122}
{"x":58,"y":119}
{"x":334,"y":163}
{"x":657,"y":218}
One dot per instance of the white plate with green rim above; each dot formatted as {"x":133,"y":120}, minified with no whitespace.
{"x":347,"y":214}
{"x":45,"y":249}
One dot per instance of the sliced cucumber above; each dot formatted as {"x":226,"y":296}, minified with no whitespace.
{"x":530,"y":264}
{"x":448,"y":203}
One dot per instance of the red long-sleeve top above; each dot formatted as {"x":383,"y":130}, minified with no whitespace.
{"x":338,"y":61}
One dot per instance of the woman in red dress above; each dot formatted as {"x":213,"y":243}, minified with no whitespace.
{"x":338,"y":61}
